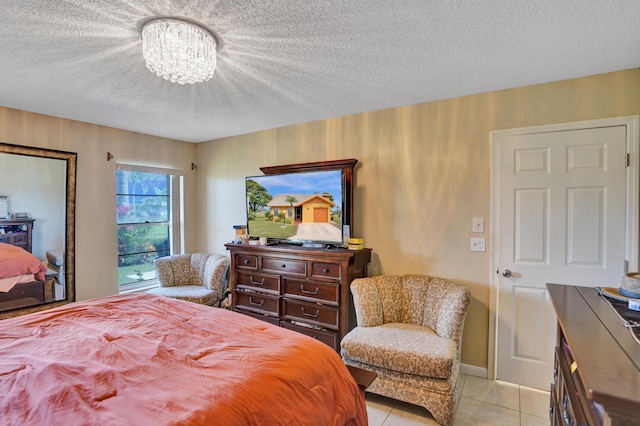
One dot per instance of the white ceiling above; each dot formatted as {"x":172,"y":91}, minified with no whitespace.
{"x":287,"y":62}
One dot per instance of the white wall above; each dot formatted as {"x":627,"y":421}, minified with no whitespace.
{"x":37,"y":187}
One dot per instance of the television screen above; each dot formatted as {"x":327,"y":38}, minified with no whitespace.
{"x":297,"y":207}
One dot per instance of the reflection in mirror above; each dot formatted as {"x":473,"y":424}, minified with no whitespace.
{"x":37,"y":229}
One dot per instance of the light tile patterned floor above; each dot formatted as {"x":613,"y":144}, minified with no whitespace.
{"x":483,"y":402}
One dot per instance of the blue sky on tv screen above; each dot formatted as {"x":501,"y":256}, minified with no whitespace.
{"x":304,"y":183}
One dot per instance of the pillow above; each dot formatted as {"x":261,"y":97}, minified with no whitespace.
{"x":15,"y":260}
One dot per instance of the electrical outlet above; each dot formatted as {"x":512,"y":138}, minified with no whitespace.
{"x":477,"y":244}
{"x":478,"y":225}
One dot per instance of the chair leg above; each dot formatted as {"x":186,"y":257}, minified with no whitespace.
{"x":441,"y":406}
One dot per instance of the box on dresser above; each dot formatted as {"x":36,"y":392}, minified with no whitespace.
{"x":299,"y":288}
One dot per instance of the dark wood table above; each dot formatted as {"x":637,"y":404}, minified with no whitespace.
{"x":363,"y":378}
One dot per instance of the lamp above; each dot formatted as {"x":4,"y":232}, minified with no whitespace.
{"x":178,"y":50}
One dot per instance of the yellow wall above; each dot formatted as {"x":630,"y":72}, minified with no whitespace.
{"x":423,"y":174}
{"x":96,"y":234}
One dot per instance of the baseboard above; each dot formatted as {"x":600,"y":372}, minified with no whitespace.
{"x":473,"y":370}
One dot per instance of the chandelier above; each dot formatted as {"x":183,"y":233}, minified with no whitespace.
{"x":179,"y":51}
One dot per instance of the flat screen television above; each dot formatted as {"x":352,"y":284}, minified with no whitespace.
{"x":308,"y":204}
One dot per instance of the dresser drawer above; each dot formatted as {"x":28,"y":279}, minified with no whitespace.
{"x":572,"y":408}
{"x":258,"y":303}
{"x":261,"y":317}
{"x":19,"y":238}
{"x":554,"y":408}
{"x":321,"y":315}
{"x":329,"y":338}
{"x":258,"y":282}
{"x":246,"y":261}
{"x":15,"y":239}
{"x":325,"y":270}
{"x":284,"y":266}
{"x":312,"y":291}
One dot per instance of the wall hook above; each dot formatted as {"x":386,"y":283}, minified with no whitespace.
{"x":109,"y":156}
{"x":193,"y":166}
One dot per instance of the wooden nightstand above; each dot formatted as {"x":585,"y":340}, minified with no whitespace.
{"x":363,"y":378}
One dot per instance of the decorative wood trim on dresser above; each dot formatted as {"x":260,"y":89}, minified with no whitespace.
{"x":597,"y":365}
{"x":17,"y":232}
{"x":302,"y":289}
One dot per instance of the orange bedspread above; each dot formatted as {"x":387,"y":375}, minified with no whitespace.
{"x":141,"y":359}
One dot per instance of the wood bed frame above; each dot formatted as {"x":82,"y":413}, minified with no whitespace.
{"x":29,"y":294}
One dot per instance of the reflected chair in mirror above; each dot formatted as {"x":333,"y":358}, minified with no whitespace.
{"x":409,"y":332}
{"x":198,"y":277}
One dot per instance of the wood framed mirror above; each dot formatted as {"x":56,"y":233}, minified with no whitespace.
{"x":37,"y":222}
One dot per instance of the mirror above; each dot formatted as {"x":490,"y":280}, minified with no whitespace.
{"x":37,"y":216}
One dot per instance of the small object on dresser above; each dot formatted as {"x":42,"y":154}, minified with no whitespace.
{"x":630,"y":285}
{"x":241,"y":234}
{"x":355,"y":244}
{"x":240,"y":229}
{"x":634,"y":304}
{"x":4,"y":207}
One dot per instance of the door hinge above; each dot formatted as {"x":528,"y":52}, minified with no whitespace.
{"x":627,"y":159}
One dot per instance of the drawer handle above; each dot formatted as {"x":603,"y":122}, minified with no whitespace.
{"x":255,"y":282}
{"x":306,"y":314}
{"x":313,"y":293}
{"x":325,"y":270}
{"x":254,"y":303}
{"x":245,"y":261}
{"x":284,"y":265}
{"x":565,"y":414}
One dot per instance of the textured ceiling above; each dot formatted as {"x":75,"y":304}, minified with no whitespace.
{"x":287,"y":62}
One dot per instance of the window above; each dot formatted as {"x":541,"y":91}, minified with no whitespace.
{"x":147,"y":209}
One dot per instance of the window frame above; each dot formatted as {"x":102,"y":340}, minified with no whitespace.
{"x":175,"y":222}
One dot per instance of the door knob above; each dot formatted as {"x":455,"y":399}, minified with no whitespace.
{"x":506,"y":273}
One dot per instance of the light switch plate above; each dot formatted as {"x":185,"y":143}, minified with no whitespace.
{"x":477,"y":225}
{"x":477,"y":244}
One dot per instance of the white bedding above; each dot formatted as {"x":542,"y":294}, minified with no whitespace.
{"x":8,"y":283}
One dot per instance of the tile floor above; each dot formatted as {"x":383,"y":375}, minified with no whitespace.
{"x":483,"y":402}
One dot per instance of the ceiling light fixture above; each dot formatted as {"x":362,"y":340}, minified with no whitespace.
{"x":178,"y":50}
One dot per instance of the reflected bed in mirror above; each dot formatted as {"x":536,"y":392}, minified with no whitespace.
{"x":37,"y":229}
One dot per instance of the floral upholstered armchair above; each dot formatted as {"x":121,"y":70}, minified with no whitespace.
{"x":197,"y":277}
{"x":409,"y":332}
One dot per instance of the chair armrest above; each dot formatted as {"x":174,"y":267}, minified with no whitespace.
{"x":367,"y":302}
{"x":216,"y":271}
{"x":454,"y":305}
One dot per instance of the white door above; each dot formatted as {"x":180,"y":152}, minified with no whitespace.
{"x":560,"y":211}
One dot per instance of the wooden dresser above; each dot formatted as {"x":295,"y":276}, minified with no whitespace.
{"x":303,"y":289}
{"x":17,"y":232}
{"x":597,"y":364}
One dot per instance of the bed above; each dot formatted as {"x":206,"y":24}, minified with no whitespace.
{"x":22,"y":278}
{"x":145,"y":359}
